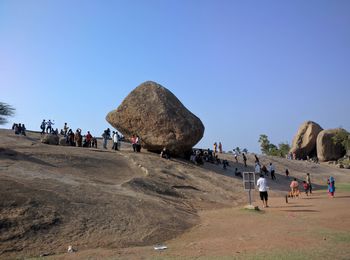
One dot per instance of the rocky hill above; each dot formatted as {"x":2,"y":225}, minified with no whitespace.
{"x":55,"y":196}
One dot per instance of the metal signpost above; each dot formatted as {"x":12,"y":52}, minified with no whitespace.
{"x":249,"y":184}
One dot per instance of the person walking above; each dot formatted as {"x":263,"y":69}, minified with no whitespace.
{"x":308,"y":181}
{"x":262,"y":185}
{"x":331,"y":186}
{"x":235,"y":154}
{"x":244,"y":159}
{"x":256,"y":159}
{"x":272,"y":171}
{"x":287,"y":173}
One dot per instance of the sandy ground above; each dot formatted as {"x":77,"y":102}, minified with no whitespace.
{"x":118,"y":205}
{"x":310,"y":227}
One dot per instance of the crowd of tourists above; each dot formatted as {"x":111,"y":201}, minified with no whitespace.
{"x":20,"y":129}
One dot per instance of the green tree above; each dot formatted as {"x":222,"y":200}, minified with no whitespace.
{"x":342,"y":137}
{"x":271,"y":149}
{"x":245,"y":150}
{"x":238,"y":150}
{"x":284,"y":149}
{"x":264,"y":144}
{"x":5,"y":110}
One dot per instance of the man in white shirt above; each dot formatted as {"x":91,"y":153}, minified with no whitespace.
{"x":262,"y":185}
{"x":272,"y":171}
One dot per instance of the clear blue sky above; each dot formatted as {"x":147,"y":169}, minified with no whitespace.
{"x":244,"y":67}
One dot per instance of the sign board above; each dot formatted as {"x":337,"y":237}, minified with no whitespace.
{"x":248,"y":180}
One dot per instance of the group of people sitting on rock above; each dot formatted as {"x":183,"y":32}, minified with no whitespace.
{"x":77,"y":139}
{"x":19,"y":129}
{"x":293,"y":156}
{"x":199,"y":156}
{"x":165,"y":153}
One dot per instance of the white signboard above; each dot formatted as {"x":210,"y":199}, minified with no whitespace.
{"x":248,"y":181}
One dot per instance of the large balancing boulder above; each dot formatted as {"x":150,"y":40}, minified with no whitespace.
{"x":304,"y":142}
{"x":327,"y":148}
{"x":50,"y":139}
{"x":159,"y":118}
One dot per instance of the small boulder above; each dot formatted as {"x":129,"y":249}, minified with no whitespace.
{"x":304,"y":142}
{"x":63,"y":142}
{"x":327,"y":150}
{"x":159,"y":118}
{"x":50,"y":139}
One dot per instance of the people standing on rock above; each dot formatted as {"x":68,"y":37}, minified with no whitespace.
{"x":88,"y":139}
{"x":49,"y":126}
{"x":308,"y":181}
{"x":94,"y":142}
{"x":71,"y":138}
{"x":65,"y":129}
{"x":272,"y":171}
{"x":257,"y":168}
{"x":235,"y":155}
{"x":133,"y":142}
{"x":113,"y":133}
{"x":215,"y":148}
{"x":78,"y":138}
{"x":256,"y":159}
{"x":106,"y":135}
{"x":43,"y":126}
{"x":220,"y":147}
{"x":19,"y":128}
{"x":331,"y":186}
{"x":23,"y":130}
{"x":115,"y":141}
{"x":138,"y":143}
{"x":244,"y":159}
{"x":15,"y":128}
{"x":262,"y":185}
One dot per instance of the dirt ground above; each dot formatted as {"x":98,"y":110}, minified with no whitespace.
{"x":119,"y":205}
{"x":310,"y":227}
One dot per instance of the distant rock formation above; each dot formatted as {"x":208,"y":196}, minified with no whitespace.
{"x":327,"y":150}
{"x":50,"y":139}
{"x":304,"y":142}
{"x":159,"y":118}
